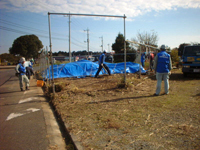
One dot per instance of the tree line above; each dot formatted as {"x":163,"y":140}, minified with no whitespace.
{"x":29,"y":46}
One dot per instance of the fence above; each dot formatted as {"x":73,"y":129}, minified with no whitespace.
{"x":44,"y":65}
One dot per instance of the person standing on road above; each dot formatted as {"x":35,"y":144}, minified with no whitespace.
{"x":21,"y":71}
{"x":102,"y":65}
{"x":162,"y":66}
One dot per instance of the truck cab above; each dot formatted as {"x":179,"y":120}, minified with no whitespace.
{"x":191,"y":59}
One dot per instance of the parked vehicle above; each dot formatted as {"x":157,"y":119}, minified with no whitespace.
{"x":191,"y":59}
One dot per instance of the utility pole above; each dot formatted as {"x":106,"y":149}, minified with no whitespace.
{"x":70,"y":38}
{"x":101,"y":43}
{"x":50,"y":45}
{"x":88,"y":48}
{"x":108,"y":47}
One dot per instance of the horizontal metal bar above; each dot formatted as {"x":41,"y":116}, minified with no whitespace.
{"x":86,"y":15}
{"x":134,"y":42}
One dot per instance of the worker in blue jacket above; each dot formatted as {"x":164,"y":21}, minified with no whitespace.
{"x":143,"y":58}
{"x":162,"y":66}
{"x":102,"y":65}
{"x":21,"y":71}
{"x":31,"y":64}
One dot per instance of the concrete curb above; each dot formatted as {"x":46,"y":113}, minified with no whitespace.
{"x":51,"y":123}
{"x":7,"y":67}
{"x":73,"y":138}
{"x":54,"y":135}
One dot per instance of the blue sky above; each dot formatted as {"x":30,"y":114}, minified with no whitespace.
{"x":175,"y":22}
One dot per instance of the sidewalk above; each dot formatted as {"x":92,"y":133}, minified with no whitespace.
{"x":54,"y":135}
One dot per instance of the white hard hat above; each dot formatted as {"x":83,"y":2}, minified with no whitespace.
{"x":163,"y":47}
{"x":22,"y":59}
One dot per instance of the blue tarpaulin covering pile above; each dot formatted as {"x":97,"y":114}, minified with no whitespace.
{"x":85,"y":68}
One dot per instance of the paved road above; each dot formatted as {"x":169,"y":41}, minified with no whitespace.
{"x":26,"y":121}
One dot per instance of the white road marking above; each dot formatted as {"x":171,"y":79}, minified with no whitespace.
{"x":27,"y":111}
{"x":33,"y":109}
{"x":27,"y":99}
{"x":13,"y":115}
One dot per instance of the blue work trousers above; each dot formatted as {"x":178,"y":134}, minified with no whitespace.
{"x":160,"y":77}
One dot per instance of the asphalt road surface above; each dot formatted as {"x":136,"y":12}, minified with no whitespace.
{"x":26,"y":120}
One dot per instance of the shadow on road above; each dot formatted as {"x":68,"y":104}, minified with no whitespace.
{"x":11,"y":92}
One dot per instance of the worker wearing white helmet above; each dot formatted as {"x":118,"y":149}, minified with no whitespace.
{"x":102,"y":65}
{"x":162,"y":66}
{"x":21,"y":72}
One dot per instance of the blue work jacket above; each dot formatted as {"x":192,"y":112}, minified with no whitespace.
{"x":22,"y":69}
{"x":102,"y":58}
{"x":163,"y":62}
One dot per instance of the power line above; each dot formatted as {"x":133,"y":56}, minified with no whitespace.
{"x":23,"y":32}
{"x":17,"y":18}
{"x":28,"y":28}
{"x":21,"y":26}
{"x":40,"y":33}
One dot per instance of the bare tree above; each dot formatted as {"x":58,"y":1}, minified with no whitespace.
{"x":146,"y":38}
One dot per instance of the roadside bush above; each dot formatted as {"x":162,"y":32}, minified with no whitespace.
{"x":174,"y":56}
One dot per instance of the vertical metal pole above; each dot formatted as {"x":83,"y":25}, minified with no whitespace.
{"x":69,"y":38}
{"x":51,"y":54}
{"x":140,"y":62}
{"x":149,"y":55}
{"x":48,"y":66}
{"x":124,"y":51}
{"x":101,"y":43}
{"x":88,"y":41}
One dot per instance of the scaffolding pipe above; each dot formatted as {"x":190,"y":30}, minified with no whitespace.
{"x":124,"y":51}
{"x":149,"y":46}
{"x":53,"y":86}
{"x":86,"y":15}
{"x":93,"y":15}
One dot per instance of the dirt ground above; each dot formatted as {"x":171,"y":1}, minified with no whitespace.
{"x":104,"y":116}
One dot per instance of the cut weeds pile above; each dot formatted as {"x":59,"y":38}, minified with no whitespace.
{"x":104,"y":116}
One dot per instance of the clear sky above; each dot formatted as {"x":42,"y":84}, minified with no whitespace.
{"x":174,"y":21}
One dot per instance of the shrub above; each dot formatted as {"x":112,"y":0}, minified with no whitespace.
{"x":174,"y":55}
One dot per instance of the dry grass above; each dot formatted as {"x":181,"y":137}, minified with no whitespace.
{"x":104,"y":116}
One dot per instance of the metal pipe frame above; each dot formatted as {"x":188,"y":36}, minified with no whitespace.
{"x":86,"y":15}
{"x":93,"y":15}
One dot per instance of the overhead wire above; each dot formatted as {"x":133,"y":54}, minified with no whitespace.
{"x":33,"y":29}
{"x":77,"y":22}
{"x":25,"y":32}
{"x":44,"y":33}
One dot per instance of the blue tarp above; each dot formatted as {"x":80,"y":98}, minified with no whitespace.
{"x":86,"y":68}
